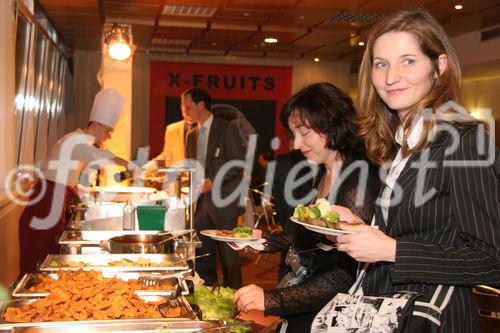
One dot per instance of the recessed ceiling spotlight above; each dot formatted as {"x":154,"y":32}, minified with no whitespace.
{"x":458,"y":7}
{"x":246,"y":14}
{"x":271,"y":40}
{"x":255,"y":45}
{"x":301,"y":17}
{"x":214,"y":44}
{"x":316,"y":59}
{"x":361,"y":43}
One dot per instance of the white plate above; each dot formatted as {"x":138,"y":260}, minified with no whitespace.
{"x":322,"y":230}
{"x":213,"y":234}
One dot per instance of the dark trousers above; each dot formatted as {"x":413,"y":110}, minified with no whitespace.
{"x":206,"y":267}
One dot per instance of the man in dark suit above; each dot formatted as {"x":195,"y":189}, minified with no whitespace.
{"x":213,"y":143}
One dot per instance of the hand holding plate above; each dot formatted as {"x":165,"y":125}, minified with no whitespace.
{"x":366,"y":244}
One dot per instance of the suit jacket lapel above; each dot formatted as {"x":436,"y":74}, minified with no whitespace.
{"x":191,"y":142}
{"x":407,"y":176}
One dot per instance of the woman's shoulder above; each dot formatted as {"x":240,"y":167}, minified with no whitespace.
{"x":457,"y":131}
{"x":469,"y":141}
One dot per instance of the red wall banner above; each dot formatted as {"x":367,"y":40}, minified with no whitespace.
{"x":259,"y":91}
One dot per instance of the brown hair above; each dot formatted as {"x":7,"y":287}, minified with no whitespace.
{"x":376,"y":122}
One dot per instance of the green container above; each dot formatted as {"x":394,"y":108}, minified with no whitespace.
{"x":151,"y":217}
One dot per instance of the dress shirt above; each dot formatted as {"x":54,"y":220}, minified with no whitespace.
{"x":399,"y":163}
{"x":206,"y":125}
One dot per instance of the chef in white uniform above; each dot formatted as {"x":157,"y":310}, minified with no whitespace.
{"x":44,"y":217}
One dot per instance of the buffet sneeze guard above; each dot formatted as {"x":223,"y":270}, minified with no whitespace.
{"x":185,"y":177}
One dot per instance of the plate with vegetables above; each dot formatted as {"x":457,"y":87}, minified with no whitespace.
{"x":319,"y":217}
{"x":237,"y":234}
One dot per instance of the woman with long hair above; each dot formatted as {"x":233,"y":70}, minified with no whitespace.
{"x":439,"y":213}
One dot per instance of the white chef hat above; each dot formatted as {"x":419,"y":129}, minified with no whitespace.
{"x":108,"y":105}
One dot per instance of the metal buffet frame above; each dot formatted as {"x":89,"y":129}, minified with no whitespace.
{"x":132,"y":326}
{"x":65,"y":326}
{"x":190,"y":205}
{"x":100,"y":262}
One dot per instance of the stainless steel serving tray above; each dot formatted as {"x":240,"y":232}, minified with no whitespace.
{"x":100,"y":262}
{"x":186,"y":314}
{"x":93,"y":238}
{"x":185,"y":326}
{"x":31,"y":279}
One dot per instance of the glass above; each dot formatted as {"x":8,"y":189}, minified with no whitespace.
{"x":40,"y":107}
{"x":40,"y":70}
{"x":23,"y":40}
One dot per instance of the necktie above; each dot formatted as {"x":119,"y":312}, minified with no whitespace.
{"x":200,"y":147}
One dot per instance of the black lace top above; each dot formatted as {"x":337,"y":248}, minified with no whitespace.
{"x":333,"y":271}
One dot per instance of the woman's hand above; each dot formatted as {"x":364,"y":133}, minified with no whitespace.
{"x":345,"y":215}
{"x":248,"y":298}
{"x":367,"y":244}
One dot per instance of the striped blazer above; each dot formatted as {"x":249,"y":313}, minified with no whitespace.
{"x":446,"y":226}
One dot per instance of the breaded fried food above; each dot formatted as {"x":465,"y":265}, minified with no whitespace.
{"x":80,"y":277}
{"x":81,"y":295}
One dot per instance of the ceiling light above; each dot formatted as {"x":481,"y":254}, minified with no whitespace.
{"x":458,"y":7}
{"x":271,"y":40}
{"x":316,"y":59}
{"x":246,"y":14}
{"x":118,"y":39}
{"x":361,"y":43}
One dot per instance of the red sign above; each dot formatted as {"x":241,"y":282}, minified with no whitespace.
{"x":225,"y":83}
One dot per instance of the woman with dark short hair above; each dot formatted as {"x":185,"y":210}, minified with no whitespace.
{"x":319,"y":118}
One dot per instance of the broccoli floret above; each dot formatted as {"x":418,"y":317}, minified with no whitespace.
{"x":242,"y":231}
{"x":314,"y":212}
{"x":331,"y":219}
{"x":300,"y":213}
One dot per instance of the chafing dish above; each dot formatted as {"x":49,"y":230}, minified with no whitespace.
{"x":31,"y":279}
{"x":187,"y":314}
{"x":94,"y":237}
{"x":137,"y":243}
{"x":184,"y":326}
{"x":119,"y":262}
{"x":89,"y":242}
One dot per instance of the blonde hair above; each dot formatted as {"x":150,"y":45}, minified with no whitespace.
{"x":376,"y":122}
